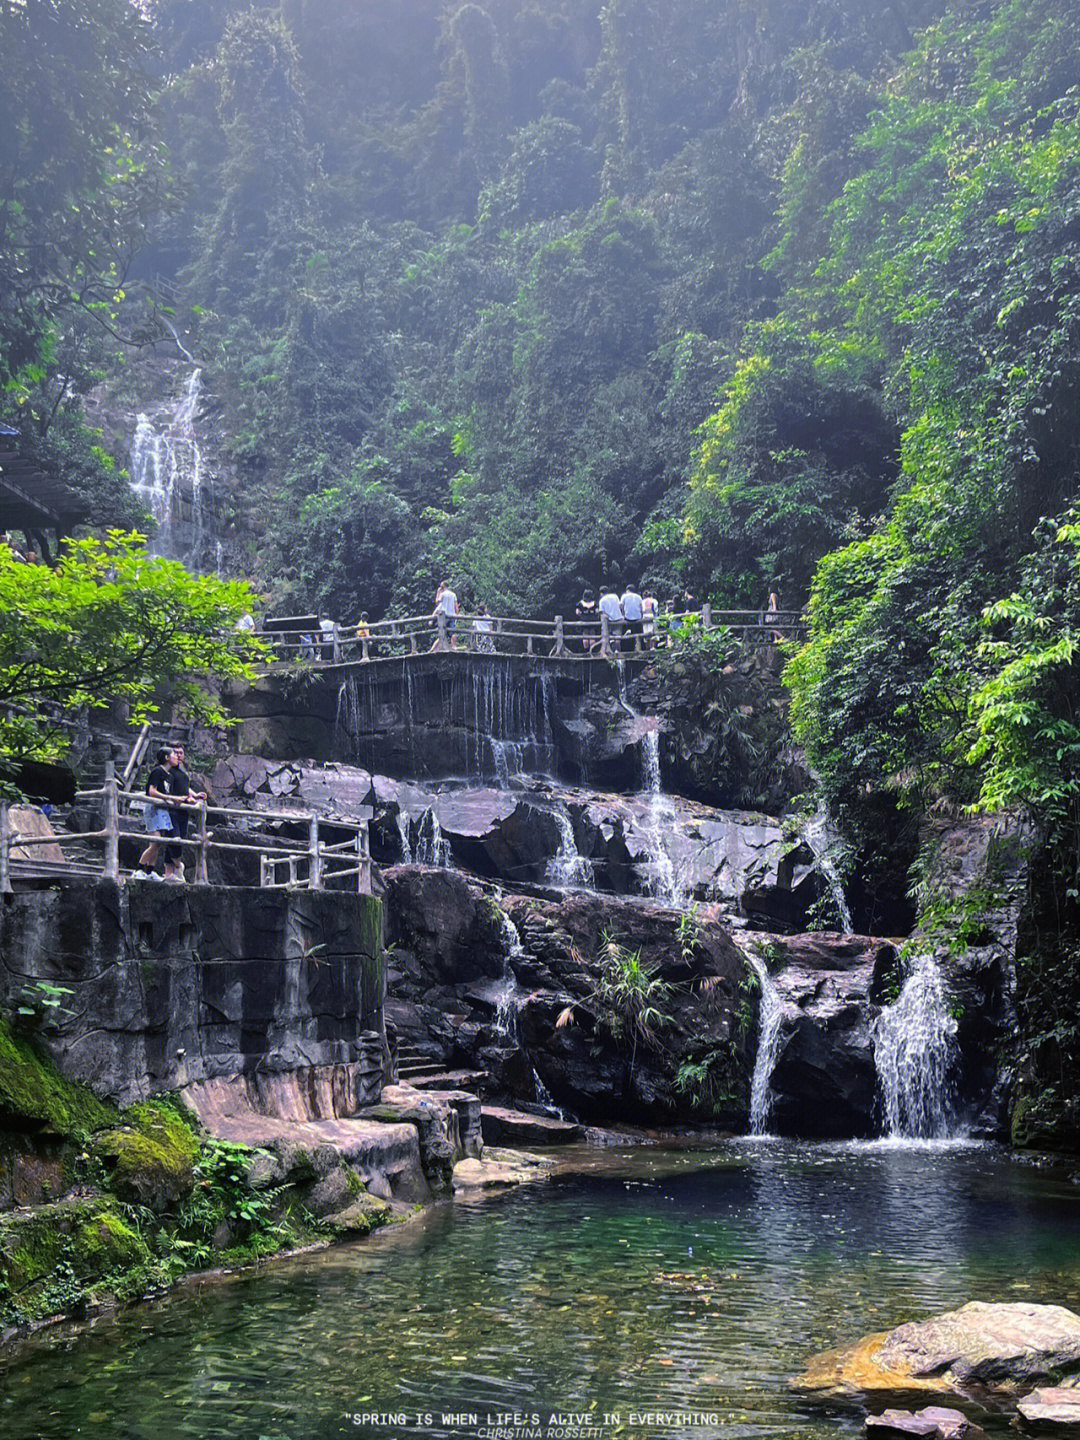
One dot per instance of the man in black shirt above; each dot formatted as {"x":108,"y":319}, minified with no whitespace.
{"x":180,"y":787}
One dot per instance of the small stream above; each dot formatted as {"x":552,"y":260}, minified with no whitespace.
{"x":641,"y":1280}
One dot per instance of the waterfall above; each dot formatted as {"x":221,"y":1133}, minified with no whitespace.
{"x":816,"y":834}
{"x":770,"y":1014}
{"x":167,"y":470}
{"x":660,"y":821}
{"x":915,"y":1055}
{"x":506,"y":1004}
{"x":567,"y":868}
{"x":431,"y":847}
{"x":403,"y":832}
{"x":509,"y":720}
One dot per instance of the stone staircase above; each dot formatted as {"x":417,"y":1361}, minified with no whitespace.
{"x":413,"y":1065}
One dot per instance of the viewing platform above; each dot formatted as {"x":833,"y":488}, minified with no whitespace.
{"x":307,"y":639}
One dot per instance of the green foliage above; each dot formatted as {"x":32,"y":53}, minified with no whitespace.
{"x":713,"y":1082}
{"x":631,"y":996}
{"x":110,"y":622}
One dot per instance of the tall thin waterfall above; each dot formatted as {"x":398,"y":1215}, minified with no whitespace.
{"x":506,"y":1004}
{"x":816,"y":834}
{"x":916,"y":1054}
{"x":664,"y":882}
{"x":167,"y":470}
{"x":431,"y":847}
{"x":403,"y":833}
{"x":770,"y":1014}
{"x":567,"y":868}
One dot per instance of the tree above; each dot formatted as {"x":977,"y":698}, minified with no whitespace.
{"x":109,"y":623}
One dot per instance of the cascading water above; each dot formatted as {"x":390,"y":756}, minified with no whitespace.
{"x":770,"y":1014}
{"x":510,"y":722}
{"x":508,"y":998}
{"x":403,"y":832}
{"x":431,"y":847}
{"x":816,"y":833}
{"x":568,"y":869}
{"x":916,"y":1056}
{"x":167,"y":470}
{"x":660,"y":820}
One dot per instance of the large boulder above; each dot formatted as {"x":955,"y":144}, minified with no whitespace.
{"x":824,"y":1083}
{"x":986,"y":1349}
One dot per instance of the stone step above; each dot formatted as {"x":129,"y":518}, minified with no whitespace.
{"x":417,"y":1068}
{"x":450,"y":1080}
{"x":512,"y":1127}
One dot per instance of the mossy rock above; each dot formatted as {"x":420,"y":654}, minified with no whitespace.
{"x":364,"y":1214}
{"x":58,"y":1248}
{"x":152,"y":1157}
{"x":34,"y":1093}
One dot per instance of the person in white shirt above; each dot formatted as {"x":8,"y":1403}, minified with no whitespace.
{"x":446,"y":603}
{"x":611,"y":606}
{"x":632,"y":613}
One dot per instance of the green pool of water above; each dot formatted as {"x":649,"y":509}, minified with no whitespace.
{"x":690,"y":1282}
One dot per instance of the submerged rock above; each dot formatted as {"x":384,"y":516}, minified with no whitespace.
{"x":981,"y":1348}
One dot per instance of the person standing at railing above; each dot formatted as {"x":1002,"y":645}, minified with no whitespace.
{"x":633,"y":613}
{"x":586,"y":613}
{"x":180,"y":788}
{"x":649,"y":612}
{"x":482,"y":636}
{"x":611,"y":606}
{"x":363,"y":633}
{"x":446,"y":604}
{"x":772,"y":609}
{"x":159,"y":817}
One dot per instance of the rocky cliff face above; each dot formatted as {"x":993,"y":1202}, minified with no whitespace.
{"x":163,"y":986}
{"x":527,"y":1003}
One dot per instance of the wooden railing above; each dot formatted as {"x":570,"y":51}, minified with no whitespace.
{"x":470,"y":634}
{"x":310,"y":864}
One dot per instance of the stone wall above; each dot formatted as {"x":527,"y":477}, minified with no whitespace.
{"x":170,"y":985}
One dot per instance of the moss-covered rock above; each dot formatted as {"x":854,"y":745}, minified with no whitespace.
{"x":33,"y":1093}
{"x":364,"y":1214}
{"x":151,"y":1158}
{"x":51,"y":1257}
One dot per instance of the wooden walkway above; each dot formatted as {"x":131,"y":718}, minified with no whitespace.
{"x":307,"y":641}
{"x":312,"y":863}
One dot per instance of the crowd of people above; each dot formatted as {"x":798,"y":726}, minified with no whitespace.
{"x":633,"y":624}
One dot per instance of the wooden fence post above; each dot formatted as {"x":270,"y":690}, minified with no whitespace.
{"x":5,"y":849}
{"x":112,"y":823}
{"x":441,"y":642}
{"x":560,"y":643}
{"x":605,"y":637}
{"x":200,"y":858}
{"x":315,"y":873}
{"x":336,"y":643}
{"x":706,"y":616}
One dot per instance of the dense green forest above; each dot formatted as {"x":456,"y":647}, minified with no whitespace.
{"x":715,"y":294}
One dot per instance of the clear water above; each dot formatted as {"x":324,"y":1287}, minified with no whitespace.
{"x":652,"y":1280}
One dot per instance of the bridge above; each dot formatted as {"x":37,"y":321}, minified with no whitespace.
{"x":308,"y":640}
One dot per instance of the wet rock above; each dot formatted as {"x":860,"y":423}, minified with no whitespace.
{"x":364,"y":1214}
{"x":500,"y":1169}
{"x":995,"y":1348}
{"x":824,"y":1083}
{"x":934,"y":1422}
{"x":514,"y":1127}
{"x":1051,"y":1411}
